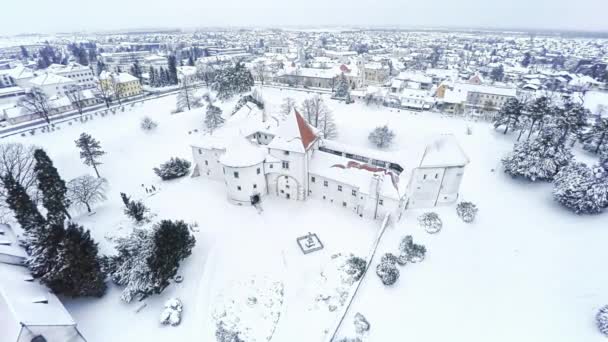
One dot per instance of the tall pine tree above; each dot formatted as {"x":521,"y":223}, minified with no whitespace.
{"x":25,"y":210}
{"x":53,"y":188}
{"x":90,"y":151}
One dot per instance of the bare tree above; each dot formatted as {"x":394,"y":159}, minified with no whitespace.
{"x":287,"y":106}
{"x":317,"y":114}
{"x":74,"y":94}
{"x":116,"y":88}
{"x":85,"y":191}
{"x":205,"y":73}
{"x":36,"y":102}
{"x":17,"y":160}
{"x":185,"y":97}
{"x":259,"y":70}
{"x":105,"y":92}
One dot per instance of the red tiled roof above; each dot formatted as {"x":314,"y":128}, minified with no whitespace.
{"x":306,"y":133}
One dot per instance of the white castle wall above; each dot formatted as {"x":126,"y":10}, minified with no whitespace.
{"x":250,"y":181}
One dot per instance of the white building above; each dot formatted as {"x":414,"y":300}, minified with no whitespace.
{"x":81,"y":74}
{"x":256,"y":156}
{"x":29,"y":312}
{"x":52,"y":85}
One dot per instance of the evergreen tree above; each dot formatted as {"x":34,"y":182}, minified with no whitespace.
{"x":526,"y":60}
{"x":232,"y":80}
{"x":43,"y":248}
{"x":172,"y":71}
{"x":538,"y":159}
{"x":172,"y":243}
{"x":509,"y":115}
{"x":136,"y":70}
{"x":498,"y":73}
{"x":24,"y":53}
{"x":25,"y":210}
{"x":570,"y":120}
{"x":213,"y":118}
{"x":581,"y":188}
{"x":152,"y":76}
{"x":163,"y":78}
{"x":90,"y":151}
{"x":146,"y":260}
{"x":77,"y":270}
{"x":174,"y":168}
{"x":342,"y":88}
{"x":596,"y":137}
{"x":537,"y":112}
{"x":53,"y":188}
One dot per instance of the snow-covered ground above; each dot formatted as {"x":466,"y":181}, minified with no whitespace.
{"x":525,"y":270}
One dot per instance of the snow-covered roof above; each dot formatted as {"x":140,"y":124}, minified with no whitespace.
{"x":9,"y":245}
{"x":50,"y":79}
{"x":240,"y":152}
{"x":443,"y":151}
{"x":186,"y":70}
{"x":11,"y":90}
{"x":293,"y":134}
{"x":122,"y":77}
{"x":414,"y":77}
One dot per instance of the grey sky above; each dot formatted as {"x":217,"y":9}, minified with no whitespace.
{"x":70,"y":15}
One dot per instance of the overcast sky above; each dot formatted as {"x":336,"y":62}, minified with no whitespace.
{"x":44,"y":16}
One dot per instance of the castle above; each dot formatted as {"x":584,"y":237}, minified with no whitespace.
{"x":256,"y":156}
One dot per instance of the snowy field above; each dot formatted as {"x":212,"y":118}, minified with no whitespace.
{"x":525,"y":270}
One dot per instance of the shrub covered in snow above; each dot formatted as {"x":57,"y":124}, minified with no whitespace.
{"x":355,"y":266}
{"x":601,"y":320}
{"x":466,"y":211}
{"x":148,"y":124}
{"x":410,"y":252}
{"x":174,"y":168}
{"x":389,"y":258}
{"x":172,"y":314}
{"x":381,"y":136}
{"x":538,"y":159}
{"x":430,"y":222}
{"x":387,"y":272}
{"x":581,"y":188}
{"x":223,"y":334}
{"x":361,"y":323}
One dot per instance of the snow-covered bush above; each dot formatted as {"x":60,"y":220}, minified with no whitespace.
{"x":601,"y":320}
{"x":581,"y":188}
{"x":223,"y":334}
{"x":538,"y":159}
{"x":430,"y":222}
{"x":354,"y":267}
{"x":172,"y":314}
{"x":466,"y":211}
{"x":410,"y":252}
{"x":174,"y":168}
{"x":148,"y":124}
{"x":361,"y":323}
{"x":389,"y":258}
{"x":387,"y":272}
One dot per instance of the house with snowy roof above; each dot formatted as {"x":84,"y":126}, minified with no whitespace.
{"x":29,"y":312}
{"x":256,"y":156}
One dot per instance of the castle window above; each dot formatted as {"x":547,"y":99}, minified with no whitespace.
{"x":238,"y":188}
{"x":255,"y":186}
{"x":258,"y":171}
{"x":339,"y":187}
{"x":271,"y":166}
{"x":206,"y":162}
{"x":354,"y":193}
{"x":236,"y":174}
{"x":381,"y":201}
{"x":312,"y":179}
{"x":344,"y":204}
{"x":286,"y":153}
{"x":200,"y":151}
{"x":325,"y":183}
{"x":286,"y":165}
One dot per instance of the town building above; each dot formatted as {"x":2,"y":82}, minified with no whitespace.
{"x":123,"y":61}
{"x":120,"y":84}
{"x":81,"y":74}
{"x":52,"y":85}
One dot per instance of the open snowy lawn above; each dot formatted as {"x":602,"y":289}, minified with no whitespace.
{"x":525,"y":270}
